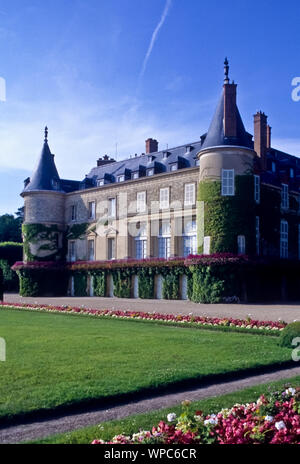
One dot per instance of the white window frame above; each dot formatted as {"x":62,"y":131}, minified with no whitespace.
{"x":150,"y":172}
{"x":190,"y":238}
{"x":164,"y":240}
{"x":72,"y":250}
{"x":241,"y":243}
{"x":92,"y":210}
{"x":189,"y":194}
{"x":100,"y":182}
{"x":257,"y":235}
{"x":73,"y":213}
{"x":284,"y":196}
{"x":257,"y":188}
{"x":228,"y":182}
{"x":111,"y":253}
{"x":284,"y":239}
{"x":121,"y":178}
{"x":141,"y":202}
{"x":112,"y":207}
{"x":164,"y":198}
{"x":91,"y":257}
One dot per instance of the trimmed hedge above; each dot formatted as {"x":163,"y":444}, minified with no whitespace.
{"x":11,"y":252}
{"x":290,"y":332}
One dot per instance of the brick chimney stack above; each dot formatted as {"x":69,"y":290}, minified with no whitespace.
{"x":230,"y":120}
{"x":105,"y":160}
{"x":151,"y":146}
{"x":262,"y":137}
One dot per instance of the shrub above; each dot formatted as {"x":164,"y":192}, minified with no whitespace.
{"x":10,"y":278}
{"x":80,"y":284}
{"x":290,"y":332}
{"x":1,"y":285}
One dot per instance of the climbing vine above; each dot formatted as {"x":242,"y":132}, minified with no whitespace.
{"x":99,"y":283}
{"x":46,"y":238}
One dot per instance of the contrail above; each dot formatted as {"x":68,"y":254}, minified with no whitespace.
{"x":154,"y":36}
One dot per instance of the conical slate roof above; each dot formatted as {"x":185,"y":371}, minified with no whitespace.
{"x":45,"y":177}
{"x":215,"y":135}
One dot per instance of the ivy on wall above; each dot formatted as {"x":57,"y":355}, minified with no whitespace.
{"x":77,"y":231}
{"x":170,"y":290}
{"x":122,"y":283}
{"x":42,"y":282}
{"x":33,"y":234}
{"x":80,"y":284}
{"x":99,"y":283}
{"x":1,"y":285}
{"x":146,"y":283}
{"x":226,"y":217}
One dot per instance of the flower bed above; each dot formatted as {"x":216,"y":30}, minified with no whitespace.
{"x":179,"y":319}
{"x":273,"y":419}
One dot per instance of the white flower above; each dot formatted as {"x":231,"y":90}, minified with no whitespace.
{"x":290,"y":391}
{"x":280,"y":425}
{"x":171,"y":417}
{"x":269,"y":418}
{"x":213,"y":420}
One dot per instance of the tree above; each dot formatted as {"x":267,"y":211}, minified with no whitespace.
{"x":10,"y":228}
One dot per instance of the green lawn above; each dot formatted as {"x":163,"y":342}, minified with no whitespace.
{"x":57,"y":359}
{"x":132,"y":424}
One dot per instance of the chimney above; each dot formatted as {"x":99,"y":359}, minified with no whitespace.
{"x":262,"y":137}
{"x":105,"y":160}
{"x":269,"y":136}
{"x":230,"y":110}
{"x":151,"y":146}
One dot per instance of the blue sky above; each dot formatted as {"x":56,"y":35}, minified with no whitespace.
{"x":84,"y":68}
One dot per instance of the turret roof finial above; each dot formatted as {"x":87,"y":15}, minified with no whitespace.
{"x":226,"y":71}
{"x":46,"y":134}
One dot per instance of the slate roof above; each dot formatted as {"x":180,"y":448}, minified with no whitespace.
{"x":45,"y":176}
{"x":215,"y":135}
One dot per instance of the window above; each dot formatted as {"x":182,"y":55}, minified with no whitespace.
{"x":241,"y":244}
{"x":189,"y":194}
{"x":284,"y":239}
{"x":285,"y":196}
{"x":150,"y":172}
{"x":291,"y":173}
{"x":100,"y":182}
{"x":91,"y":250}
{"x":227,"y":182}
{"x":164,"y":240}
{"x":55,"y":184}
{"x":92,"y":210}
{"x":190,"y":238}
{"x":197,"y":163}
{"x":111,"y":245}
{"x":273,"y":166}
{"x":257,"y":189}
{"x":164,"y":198}
{"x":121,"y":178}
{"x":112,"y":207}
{"x":141,"y":243}
{"x":135,"y":175}
{"x":141,"y":202}
{"x":174,"y":167}
{"x":72,"y":251}
{"x":74,"y":212}
{"x":257,"y":235}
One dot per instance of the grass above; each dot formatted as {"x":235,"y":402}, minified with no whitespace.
{"x":133,"y":424}
{"x":55,"y":360}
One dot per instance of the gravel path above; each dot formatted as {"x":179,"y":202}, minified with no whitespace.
{"x":44,"y":428}
{"x":287,"y":312}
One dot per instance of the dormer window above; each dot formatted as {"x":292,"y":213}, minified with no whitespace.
{"x":165,"y":154}
{"x":197,"y":163}
{"x":151,"y":158}
{"x":100,"y":182}
{"x":55,"y":184}
{"x":121,"y":178}
{"x":188,"y":148}
{"x":174,"y":167}
{"x":150,"y":172}
{"x":135,"y":175}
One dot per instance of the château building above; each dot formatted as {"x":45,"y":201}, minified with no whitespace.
{"x":226,"y":192}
